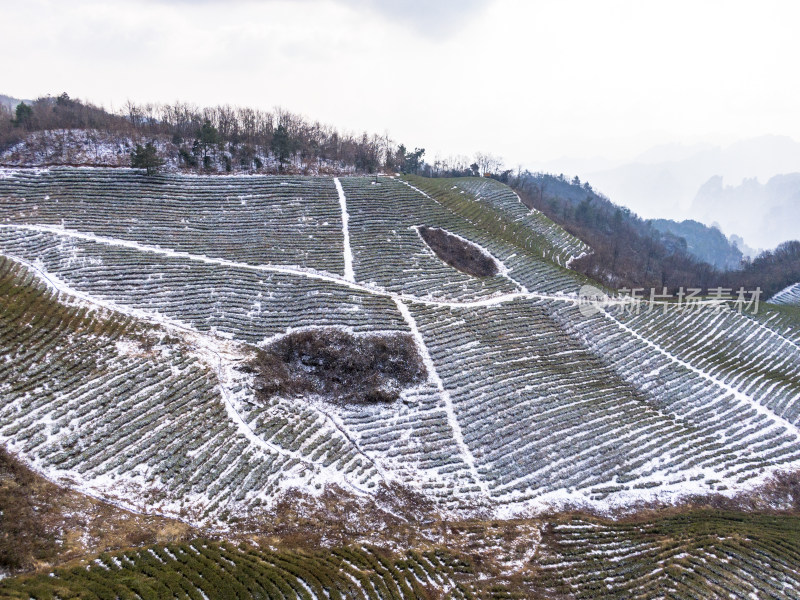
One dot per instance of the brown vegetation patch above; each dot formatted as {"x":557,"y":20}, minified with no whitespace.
{"x":43,"y":524}
{"x":395,"y":517}
{"x":459,"y":254}
{"x":338,"y":366}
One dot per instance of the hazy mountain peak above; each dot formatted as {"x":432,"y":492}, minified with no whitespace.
{"x":764,"y":214}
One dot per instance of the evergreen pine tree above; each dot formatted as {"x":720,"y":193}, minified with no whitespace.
{"x":146,"y":157}
{"x":23,"y":116}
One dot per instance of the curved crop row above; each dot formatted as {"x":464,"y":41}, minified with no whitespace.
{"x":503,"y":198}
{"x":529,"y":250}
{"x":279,"y":220}
{"x":245,"y":304}
{"x":542,"y":413}
{"x":220,"y":570}
{"x":697,"y":555}
{"x":789,"y":295}
{"x":388,"y":251}
{"x":134,"y":414}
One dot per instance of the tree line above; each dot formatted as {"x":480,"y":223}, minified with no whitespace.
{"x":233,"y":138}
{"x":628,"y":252}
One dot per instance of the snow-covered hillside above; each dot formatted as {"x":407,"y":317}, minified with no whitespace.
{"x":138,"y":302}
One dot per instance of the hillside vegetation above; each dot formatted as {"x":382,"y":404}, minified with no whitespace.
{"x":134,"y":312}
{"x":629,"y":252}
{"x":65,"y":131}
{"x":461,"y":254}
{"x":338,"y":367}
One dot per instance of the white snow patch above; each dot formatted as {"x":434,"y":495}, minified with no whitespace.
{"x":349,"y":275}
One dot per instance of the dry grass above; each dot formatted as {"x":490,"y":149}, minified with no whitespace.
{"x":43,"y":524}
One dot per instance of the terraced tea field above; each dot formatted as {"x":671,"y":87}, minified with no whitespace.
{"x":204,"y":569}
{"x":789,"y":295}
{"x":132,"y":307}
{"x":697,"y":555}
{"x":527,"y":401}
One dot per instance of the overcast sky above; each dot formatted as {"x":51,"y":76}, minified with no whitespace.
{"x":531,"y":80}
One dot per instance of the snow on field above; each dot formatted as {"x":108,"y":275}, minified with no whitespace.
{"x":433,"y":376}
{"x":501,"y":197}
{"x":348,"y":253}
{"x":530,"y":404}
{"x":788,"y":295}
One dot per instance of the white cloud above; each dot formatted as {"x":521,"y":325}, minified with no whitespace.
{"x":530,"y":81}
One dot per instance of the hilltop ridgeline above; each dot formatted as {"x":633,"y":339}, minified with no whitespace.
{"x":221,"y":139}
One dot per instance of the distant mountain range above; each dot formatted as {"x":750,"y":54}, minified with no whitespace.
{"x":686,"y":182}
{"x":763,"y":214}
{"x":705,"y":243}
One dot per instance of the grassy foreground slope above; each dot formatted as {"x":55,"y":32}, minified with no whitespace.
{"x":45,"y":524}
{"x":694,"y":554}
